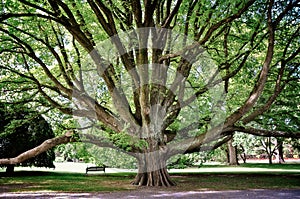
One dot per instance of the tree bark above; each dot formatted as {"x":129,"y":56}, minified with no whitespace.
{"x":10,"y":169}
{"x":269,"y":149}
{"x":279,"y":155}
{"x":50,"y":143}
{"x":232,"y":153}
{"x":270,"y":159}
{"x":152,"y":171}
{"x":243,"y":154}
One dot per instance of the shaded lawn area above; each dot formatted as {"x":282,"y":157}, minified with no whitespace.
{"x":64,"y":182}
{"x":76,"y":182}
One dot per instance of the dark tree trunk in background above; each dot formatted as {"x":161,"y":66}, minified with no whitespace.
{"x":10,"y":169}
{"x":279,"y":155}
{"x":270,"y":159}
{"x":232,"y":153}
{"x":267,"y":145}
{"x":243,"y":154}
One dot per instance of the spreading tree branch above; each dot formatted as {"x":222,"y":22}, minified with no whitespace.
{"x":262,"y":132}
{"x":258,"y":88}
{"x":48,"y":144}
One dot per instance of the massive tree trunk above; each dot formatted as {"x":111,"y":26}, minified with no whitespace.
{"x":152,"y":170}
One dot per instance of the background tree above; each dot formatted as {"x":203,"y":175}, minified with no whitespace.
{"x":232,"y":153}
{"x":21,"y":130}
{"x":270,"y":147}
{"x":43,"y":44}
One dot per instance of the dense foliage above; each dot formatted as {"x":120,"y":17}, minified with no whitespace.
{"x":21,"y":130}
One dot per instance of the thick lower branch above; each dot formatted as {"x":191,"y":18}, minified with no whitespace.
{"x":48,"y":144}
{"x":209,"y":147}
{"x":201,"y":142}
{"x":264,"y":133}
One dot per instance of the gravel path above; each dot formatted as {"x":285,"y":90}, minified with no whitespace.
{"x":148,"y":194}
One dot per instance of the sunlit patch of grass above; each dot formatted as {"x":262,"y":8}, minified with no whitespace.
{"x":272,"y":166}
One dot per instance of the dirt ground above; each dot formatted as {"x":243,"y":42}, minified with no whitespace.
{"x":153,"y":193}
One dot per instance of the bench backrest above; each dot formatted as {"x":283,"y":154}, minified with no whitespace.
{"x":95,"y":169}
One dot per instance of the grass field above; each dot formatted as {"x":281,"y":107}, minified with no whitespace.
{"x":246,"y":176}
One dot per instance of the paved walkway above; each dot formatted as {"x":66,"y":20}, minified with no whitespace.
{"x":148,"y":194}
{"x":80,"y":168}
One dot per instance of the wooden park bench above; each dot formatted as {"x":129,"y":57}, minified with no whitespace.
{"x":95,"y":168}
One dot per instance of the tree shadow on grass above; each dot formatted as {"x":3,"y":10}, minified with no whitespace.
{"x":78,"y":182}
{"x":28,"y":174}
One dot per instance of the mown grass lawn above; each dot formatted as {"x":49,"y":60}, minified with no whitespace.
{"x":65,"y":182}
{"x":286,"y":177}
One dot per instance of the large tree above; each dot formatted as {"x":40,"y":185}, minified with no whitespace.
{"x":152,"y":91}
